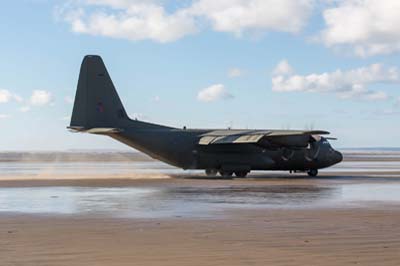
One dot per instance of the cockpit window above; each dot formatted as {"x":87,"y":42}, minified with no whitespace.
{"x":325,"y":142}
{"x":317,"y":138}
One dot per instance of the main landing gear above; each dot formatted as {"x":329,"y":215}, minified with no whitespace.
{"x":226,"y":174}
{"x":211,"y":172}
{"x":241,"y":174}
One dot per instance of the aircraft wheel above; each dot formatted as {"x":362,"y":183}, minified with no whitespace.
{"x":211,"y":172}
{"x":226,"y":173}
{"x":241,"y":174}
{"x":313,"y":172}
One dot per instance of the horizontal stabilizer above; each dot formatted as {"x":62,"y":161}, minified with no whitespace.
{"x":100,"y":131}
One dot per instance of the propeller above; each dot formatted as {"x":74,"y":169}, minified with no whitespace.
{"x":331,"y":138}
{"x":312,"y":151}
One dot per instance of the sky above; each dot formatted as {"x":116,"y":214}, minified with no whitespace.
{"x":267,"y":64}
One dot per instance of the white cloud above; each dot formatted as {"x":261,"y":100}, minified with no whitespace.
{"x":346,"y":84}
{"x":369,"y":27}
{"x":214,"y":93}
{"x":134,"y":20}
{"x":283,"y":68}
{"x":235,"y":72}
{"x":238,"y":16}
{"x":4,"y":116}
{"x":40,"y":98}
{"x":117,"y":3}
{"x":140,"y":19}
{"x":156,"y":99}
{"x":6,"y":96}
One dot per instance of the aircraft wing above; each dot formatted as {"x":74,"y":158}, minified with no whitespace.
{"x":267,"y":138}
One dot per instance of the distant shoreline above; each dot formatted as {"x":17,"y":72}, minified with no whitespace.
{"x":72,"y":157}
{"x":350,"y":154}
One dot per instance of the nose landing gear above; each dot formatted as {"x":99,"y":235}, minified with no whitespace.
{"x":312,"y":172}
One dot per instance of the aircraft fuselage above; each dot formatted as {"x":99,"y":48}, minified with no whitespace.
{"x":180,"y":148}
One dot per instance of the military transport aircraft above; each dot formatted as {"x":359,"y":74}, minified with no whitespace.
{"x":98,"y":110}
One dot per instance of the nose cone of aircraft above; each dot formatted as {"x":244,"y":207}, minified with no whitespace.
{"x":337,"y":157}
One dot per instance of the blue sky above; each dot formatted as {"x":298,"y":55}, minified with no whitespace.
{"x":330,"y":65}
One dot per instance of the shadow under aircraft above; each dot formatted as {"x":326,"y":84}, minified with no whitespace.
{"x":99,"y":110}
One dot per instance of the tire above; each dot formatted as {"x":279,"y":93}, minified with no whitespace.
{"x":211,"y":172}
{"x":226,"y":173}
{"x":312,"y":172}
{"x":241,"y":174}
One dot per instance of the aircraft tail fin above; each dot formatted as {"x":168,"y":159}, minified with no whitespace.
{"x":97,"y":104}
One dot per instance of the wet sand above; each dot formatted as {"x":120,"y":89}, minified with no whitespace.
{"x":138,"y":218}
{"x":269,"y":237}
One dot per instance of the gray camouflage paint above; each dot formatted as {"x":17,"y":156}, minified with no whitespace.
{"x":99,"y":110}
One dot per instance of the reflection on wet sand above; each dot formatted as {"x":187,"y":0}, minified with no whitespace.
{"x":190,"y":201}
